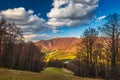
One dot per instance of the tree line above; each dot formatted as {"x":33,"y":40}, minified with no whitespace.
{"x":99,"y":52}
{"x":15,"y":53}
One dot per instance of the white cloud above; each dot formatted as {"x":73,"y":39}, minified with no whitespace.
{"x":27,"y":20}
{"x":101,"y":17}
{"x":71,"y":12}
{"x":34,"y":37}
{"x":56,"y":31}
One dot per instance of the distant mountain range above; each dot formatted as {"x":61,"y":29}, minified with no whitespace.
{"x":63,"y":48}
{"x":65,"y":44}
{"x":59,"y":48}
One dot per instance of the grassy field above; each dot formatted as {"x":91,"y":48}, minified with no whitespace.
{"x":47,"y":74}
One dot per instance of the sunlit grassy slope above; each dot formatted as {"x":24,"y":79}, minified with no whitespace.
{"x":47,"y":74}
{"x":60,"y":55}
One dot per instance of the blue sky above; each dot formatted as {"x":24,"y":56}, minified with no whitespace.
{"x":46,"y":19}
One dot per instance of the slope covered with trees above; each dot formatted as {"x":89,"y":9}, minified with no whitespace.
{"x":96,"y":54}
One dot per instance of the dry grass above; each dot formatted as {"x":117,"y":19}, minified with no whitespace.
{"x":47,"y":74}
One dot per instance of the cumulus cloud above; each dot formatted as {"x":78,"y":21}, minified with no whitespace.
{"x":26,"y":19}
{"x":101,"y":17}
{"x":29,"y":22}
{"x":71,"y":12}
{"x":34,"y":37}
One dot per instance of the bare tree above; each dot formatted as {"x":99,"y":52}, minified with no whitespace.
{"x":9,"y":34}
{"x":89,"y":39}
{"x":111,"y":30}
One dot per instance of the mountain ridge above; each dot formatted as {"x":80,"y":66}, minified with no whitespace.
{"x":68,"y":44}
